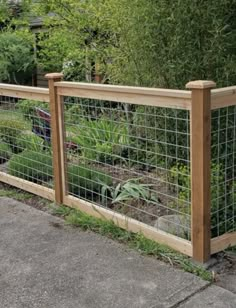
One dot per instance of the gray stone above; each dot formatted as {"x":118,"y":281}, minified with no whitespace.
{"x":47,"y":264}
{"x":178,"y":225}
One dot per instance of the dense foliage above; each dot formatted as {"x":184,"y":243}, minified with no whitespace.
{"x":31,"y":166}
{"x":16,"y":57}
{"x":155,"y":43}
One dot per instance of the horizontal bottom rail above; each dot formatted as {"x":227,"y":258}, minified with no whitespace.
{"x":120,"y":220}
{"x":33,"y":188}
{"x":130,"y":224}
{"x":223,"y":242}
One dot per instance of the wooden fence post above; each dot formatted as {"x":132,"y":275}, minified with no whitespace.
{"x":56,"y":110}
{"x":200,"y":117}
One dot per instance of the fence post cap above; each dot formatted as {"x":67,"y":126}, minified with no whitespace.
{"x":54,"y":76}
{"x":201,"y":84}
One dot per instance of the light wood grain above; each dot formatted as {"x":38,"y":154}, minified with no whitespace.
{"x":57,"y":131}
{"x":33,"y":188}
{"x":201,"y":170}
{"x":130,"y":224}
{"x":23,"y":92}
{"x":133,"y":95}
{"x":223,"y":97}
{"x":223,"y":242}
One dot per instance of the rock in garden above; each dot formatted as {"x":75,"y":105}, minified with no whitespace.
{"x":178,"y":225}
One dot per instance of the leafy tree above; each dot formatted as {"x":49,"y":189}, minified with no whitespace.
{"x":167,"y":43}
{"x":16,"y":56}
{"x":78,"y":36}
{"x":12,"y":12}
{"x":151,"y":43}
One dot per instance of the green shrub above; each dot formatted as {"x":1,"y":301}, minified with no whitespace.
{"x":30,"y":141}
{"x":160,"y":136}
{"x":74,"y":67}
{"x":102,"y":140}
{"x":157,"y":49}
{"x":5,"y":152}
{"x":27,"y":108}
{"x":16,"y":57}
{"x":85,"y":181}
{"x":12,"y":125}
{"x":223,"y":195}
{"x":31,"y":166}
{"x":74,"y":114}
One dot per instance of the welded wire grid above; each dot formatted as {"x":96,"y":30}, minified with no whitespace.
{"x":223,"y":184}
{"x":25,"y":145}
{"x":132,"y":159}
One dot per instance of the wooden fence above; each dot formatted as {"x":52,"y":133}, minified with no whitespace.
{"x":199,"y":102}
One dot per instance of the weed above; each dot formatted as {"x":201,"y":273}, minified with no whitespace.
{"x":128,"y":190}
{"x":15,"y":194}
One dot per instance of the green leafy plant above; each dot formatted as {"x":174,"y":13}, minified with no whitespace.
{"x":5,"y":152}
{"x":172,"y":54}
{"x":179,"y":178}
{"x":85,"y":181}
{"x":16,"y":57}
{"x":31,"y":166}
{"x":74,"y":113}
{"x":30,"y":141}
{"x":12,"y":125}
{"x":222,"y":194}
{"x":102,"y":140}
{"x":27,"y":108}
{"x":159,"y":134}
{"x":74,"y":67}
{"x":128,"y":190}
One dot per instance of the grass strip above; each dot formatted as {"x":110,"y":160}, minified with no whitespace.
{"x":135,"y":241}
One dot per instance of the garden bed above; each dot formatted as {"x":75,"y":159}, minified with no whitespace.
{"x":24,"y":162}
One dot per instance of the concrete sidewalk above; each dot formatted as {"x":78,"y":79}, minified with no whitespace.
{"x":45,"y":264}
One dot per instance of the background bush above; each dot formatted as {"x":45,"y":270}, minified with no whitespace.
{"x":171,"y":52}
{"x":85,"y":181}
{"x":12,"y":125}
{"x":28,"y":108}
{"x":5,"y":152}
{"x":103,"y":140}
{"x":30,"y":141}
{"x":160,"y":135}
{"x":16,"y":57}
{"x":31,"y":166}
{"x":222,"y":197}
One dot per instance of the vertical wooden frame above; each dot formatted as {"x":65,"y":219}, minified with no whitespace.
{"x":57,"y":136}
{"x":200,"y":116}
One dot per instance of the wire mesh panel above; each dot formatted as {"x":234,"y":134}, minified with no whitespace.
{"x":132,"y":159}
{"x":25,"y":145}
{"x":223,"y":184}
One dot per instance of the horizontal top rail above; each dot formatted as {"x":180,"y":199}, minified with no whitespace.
{"x":134,"y":95}
{"x":24,"y":92}
{"x":223,"y":97}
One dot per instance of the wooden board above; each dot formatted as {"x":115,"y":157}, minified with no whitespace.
{"x":57,"y":121}
{"x":130,"y":224}
{"x":201,"y":168}
{"x":23,"y":92}
{"x":133,"y":95}
{"x":223,"y":97}
{"x":33,"y":188}
{"x":223,"y":242}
